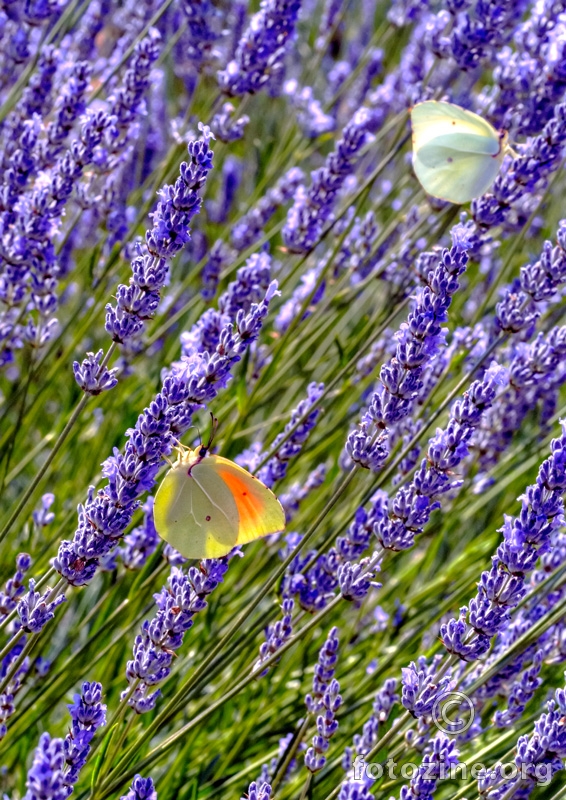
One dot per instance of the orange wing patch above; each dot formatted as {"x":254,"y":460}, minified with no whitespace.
{"x":250,"y":506}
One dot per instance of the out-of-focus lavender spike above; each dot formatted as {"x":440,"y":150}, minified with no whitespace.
{"x":476,"y":36}
{"x":42,"y":516}
{"x":259,"y":58}
{"x":535,"y":369}
{"x":385,"y":699}
{"x":219,"y":208}
{"x":249,"y":229}
{"x":141,"y":789}
{"x":36,"y":99}
{"x":219,"y":258}
{"x":313,"y":207}
{"x":204,"y":22}
{"x":15,"y":587}
{"x":329,"y":21}
{"x":520,"y":693}
{"x":227,"y":126}
{"x":310,"y":116}
{"x":143,"y":540}
{"x":276,"y":468}
{"x":306,"y":288}
{"x":192,"y":383}
{"x":155,"y":646}
{"x":537,"y":757}
{"x":127,"y":102}
{"x":418,"y":341}
{"x":525,"y":538}
{"x":69,"y":107}
{"x":90,"y":25}
{"x":268,"y":771}
{"x":299,"y":491}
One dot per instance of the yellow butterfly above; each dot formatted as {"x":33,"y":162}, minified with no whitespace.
{"x":206,"y":505}
{"x":457,"y":155}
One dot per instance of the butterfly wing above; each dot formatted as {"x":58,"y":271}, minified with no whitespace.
{"x":455,"y":177}
{"x":259,"y":511}
{"x":456,"y":154}
{"x":435,"y":118}
{"x":198,"y":517}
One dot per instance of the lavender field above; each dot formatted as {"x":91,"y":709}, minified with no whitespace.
{"x":209,"y":209}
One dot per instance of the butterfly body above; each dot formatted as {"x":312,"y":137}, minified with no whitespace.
{"x":456,"y":154}
{"x":206,"y":505}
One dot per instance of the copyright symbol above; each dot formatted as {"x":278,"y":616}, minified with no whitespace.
{"x":443,"y":713}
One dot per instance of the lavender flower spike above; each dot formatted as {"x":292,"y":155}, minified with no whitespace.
{"x":170,"y":232}
{"x":258,"y":60}
{"x":58,"y":762}
{"x":525,"y":538}
{"x":419,"y":339}
{"x":325,"y":700}
{"x":313,"y":208}
{"x":155,"y":647}
{"x":141,"y":789}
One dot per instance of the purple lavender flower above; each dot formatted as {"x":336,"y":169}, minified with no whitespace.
{"x":418,"y":341}
{"x":92,"y":377}
{"x":226,"y":127}
{"x":525,"y":539}
{"x":70,"y":105}
{"x":276,"y":467}
{"x":436,"y":765}
{"x":276,"y":634}
{"x":385,"y":699}
{"x":45,"y":779}
{"x":300,"y":490}
{"x":520,"y":693}
{"x":324,"y":670}
{"x":57,"y":762}
{"x":141,"y":789}
{"x":155,"y":646}
{"x":258,"y":61}
{"x":326,"y":727}
{"x":397,"y":523}
{"x":258,"y":791}
{"x":35,"y":609}
{"x":219,"y":257}
{"x":170,"y":232}
{"x":422,"y":688}
{"x":313,"y":208}
{"x":537,"y":757}
{"x":203,"y":24}
{"x":127,"y":102}
{"x":249,"y":228}
{"x":324,"y":701}
{"x":15,"y":585}
{"x":219,"y":209}
{"x":88,"y":713}
{"x":43,"y":516}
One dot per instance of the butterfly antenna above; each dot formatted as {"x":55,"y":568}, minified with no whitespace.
{"x":214,"y":422}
